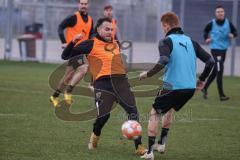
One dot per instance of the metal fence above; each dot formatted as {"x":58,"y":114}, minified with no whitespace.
{"x":138,"y":20}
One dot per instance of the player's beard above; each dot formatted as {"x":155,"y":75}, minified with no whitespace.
{"x":110,"y":16}
{"x":108,"y":38}
{"x":83,"y":10}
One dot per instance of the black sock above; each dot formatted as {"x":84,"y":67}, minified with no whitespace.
{"x":99,"y":124}
{"x":56,"y":93}
{"x":138,"y":141}
{"x":70,"y":88}
{"x":151,"y":141}
{"x":97,"y":130}
{"x":163,"y":136}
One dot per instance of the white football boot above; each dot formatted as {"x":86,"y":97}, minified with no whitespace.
{"x":149,"y":156}
{"x":159,"y":148}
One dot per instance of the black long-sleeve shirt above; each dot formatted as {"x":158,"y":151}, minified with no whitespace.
{"x":165,"y":48}
{"x":70,"y":21}
{"x":208,"y":28}
{"x":83,"y":48}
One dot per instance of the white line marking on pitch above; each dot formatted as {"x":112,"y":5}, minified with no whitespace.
{"x":23,"y":91}
{"x":207,"y":119}
{"x":12,"y":115}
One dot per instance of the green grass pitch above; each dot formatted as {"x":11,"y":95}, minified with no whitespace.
{"x":30,"y":130}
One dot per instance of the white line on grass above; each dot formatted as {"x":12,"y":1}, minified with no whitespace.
{"x":32,"y":92}
{"x":12,"y":115}
{"x":22,"y":91}
{"x":206,"y":119}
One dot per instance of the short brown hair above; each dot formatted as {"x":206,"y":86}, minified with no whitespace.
{"x":171,"y":19}
{"x":79,"y":1}
{"x":100,"y":22}
{"x":108,"y":7}
{"x":219,"y":6}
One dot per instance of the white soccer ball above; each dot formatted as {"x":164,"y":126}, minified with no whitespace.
{"x":131,"y":129}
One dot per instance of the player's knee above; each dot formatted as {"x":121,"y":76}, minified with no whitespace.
{"x":79,"y":75}
{"x":152,"y":131}
{"x":167,"y":124}
{"x":152,"y":127}
{"x":83,"y":69}
{"x":68,"y":77}
{"x":167,"y":120}
{"x":66,"y":80}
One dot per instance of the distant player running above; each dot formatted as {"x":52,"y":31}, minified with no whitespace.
{"x":218,"y":34}
{"x":81,"y":25}
{"x":178,"y":55}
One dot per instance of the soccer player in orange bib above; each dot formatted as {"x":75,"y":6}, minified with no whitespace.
{"x":80,"y":25}
{"x":109,"y":78}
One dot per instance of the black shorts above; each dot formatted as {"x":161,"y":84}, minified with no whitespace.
{"x":175,"y":99}
{"x":114,"y":89}
{"x":75,"y":62}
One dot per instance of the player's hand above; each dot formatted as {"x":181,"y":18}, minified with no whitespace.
{"x":200,"y":85}
{"x":64,"y":45}
{"x":77,"y":38}
{"x":230,"y":35}
{"x":143,"y":75}
{"x":208,"y":40}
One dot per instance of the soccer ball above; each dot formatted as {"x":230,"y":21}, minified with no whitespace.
{"x":131,"y":129}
